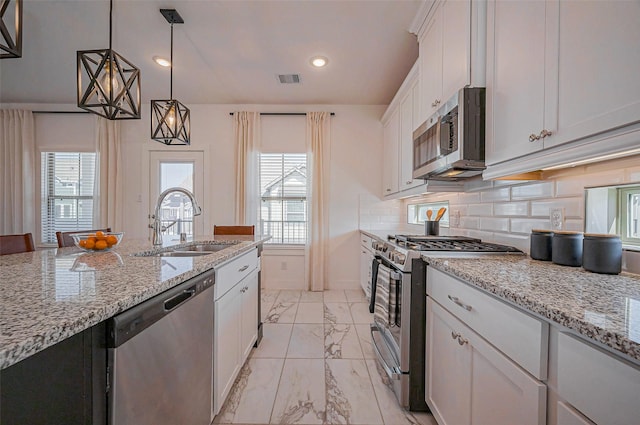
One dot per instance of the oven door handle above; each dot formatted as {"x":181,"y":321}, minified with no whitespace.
{"x":393,"y":372}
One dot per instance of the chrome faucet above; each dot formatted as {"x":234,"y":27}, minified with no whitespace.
{"x":157,"y":227}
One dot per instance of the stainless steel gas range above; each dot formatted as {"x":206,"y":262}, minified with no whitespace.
{"x":399,"y":305}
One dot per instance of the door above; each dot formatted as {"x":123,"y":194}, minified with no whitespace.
{"x":430,"y":57}
{"x":406,"y":142}
{"x":178,"y":169}
{"x":390,"y":149}
{"x":456,"y":51}
{"x":515,"y":78}
{"x":598,"y":86}
{"x":249,"y":334}
{"x":448,"y":368}
{"x":226,"y":342}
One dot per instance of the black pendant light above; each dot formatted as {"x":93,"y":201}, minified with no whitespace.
{"x":10,"y":35}
{"x":170,"y":121}
{"x":108,"y":84}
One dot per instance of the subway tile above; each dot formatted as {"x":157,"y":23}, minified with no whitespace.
{"x":501,"y":194}
{"x":532,"y":191}
{"x":467,"y":198}
{"x":495,"y":224}
{"x":573,"y":186}
{"x":524,"y":225}
{"x":479,"y":234}
{"x":469,"y":222}
{"x":573,"y":207}
{"x":632,"y":175}
{"x":511,"y":208}
{"x":574,"y":225}
{"x":485,"y":210}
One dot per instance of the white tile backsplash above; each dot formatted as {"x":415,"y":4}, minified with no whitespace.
{"x":532,"y":190}
{"x":483,"y":210}
{"x":524,"y":225}
{"x":494,"y":223}
{"x":511,"y":209}
{"x":573,"y":207}
{"x":493,"y":195}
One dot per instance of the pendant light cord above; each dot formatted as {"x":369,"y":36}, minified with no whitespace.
{"x":110,"y":22}
{"x":171,"y":77}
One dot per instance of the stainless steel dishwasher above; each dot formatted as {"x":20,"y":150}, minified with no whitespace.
{"x":160,"y":358}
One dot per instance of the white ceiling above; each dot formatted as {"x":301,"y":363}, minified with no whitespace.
{"x":225,"y":52}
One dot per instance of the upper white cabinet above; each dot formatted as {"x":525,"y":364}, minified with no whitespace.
{"x":560,"y":72}
{"x":390,"y":152}
{"x":451,"y":51}
{"x":399,"y":121}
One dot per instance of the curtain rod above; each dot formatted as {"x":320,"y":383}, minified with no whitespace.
{"x":285,"y":113}
{"x":60,"y":112}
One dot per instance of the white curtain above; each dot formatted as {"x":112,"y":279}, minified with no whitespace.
{"x":318,"y":151}
{"x":108,"y":191}
{"x":17,"y":172}
{"x":246,"y":132}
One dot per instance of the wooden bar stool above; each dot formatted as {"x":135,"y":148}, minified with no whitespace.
{"x":234,"y":230}
{"x":65,"y":239}
{"x":15,"y":244}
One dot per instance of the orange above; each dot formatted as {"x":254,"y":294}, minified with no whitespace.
{"x":100,"y":245}
{"x":99,"y":234}
{"x":111,"y":240}
{"x":82,"y":243}
{"x":89,"y":243}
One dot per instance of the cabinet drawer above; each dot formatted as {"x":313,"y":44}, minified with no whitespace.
{"x":603,"y":388}
{"x":517,"y":334}
{"x":365,"y":241}
{"x":234,"y":271}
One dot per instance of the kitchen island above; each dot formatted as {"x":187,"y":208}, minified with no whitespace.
{"x":50,"y":295}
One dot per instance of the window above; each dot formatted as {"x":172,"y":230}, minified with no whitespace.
{"x":67,"y":181}
{"x":283,"y":206}
{"x":417,"y":213}
{"x":629,"y":212}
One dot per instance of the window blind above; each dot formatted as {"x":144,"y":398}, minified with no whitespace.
{"x":283,"y":206}
{"x":67,"y":184}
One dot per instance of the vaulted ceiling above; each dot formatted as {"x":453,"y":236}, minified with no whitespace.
{"x":226,"y":51}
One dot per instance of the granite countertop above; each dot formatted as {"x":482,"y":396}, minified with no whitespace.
{"x":49,"y":295}
{"x":602,"y":308}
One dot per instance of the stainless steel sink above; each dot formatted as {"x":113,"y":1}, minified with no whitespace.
{"x":195,"y":250}
{"x":180,"y":254}
{"x":203,"y":248}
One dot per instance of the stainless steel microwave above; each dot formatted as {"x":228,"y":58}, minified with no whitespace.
{"x":450,"y":144}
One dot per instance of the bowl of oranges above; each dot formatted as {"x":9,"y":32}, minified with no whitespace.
{"x":98,"y":241}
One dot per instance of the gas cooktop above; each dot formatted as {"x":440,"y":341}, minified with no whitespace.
{"x":448,"y":244}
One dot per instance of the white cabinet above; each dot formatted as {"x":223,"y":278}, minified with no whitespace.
{"x":235,"y":321}
{"x":469,"y":381}
{"x":407,"y":125}
{"x":600,"y":386}
{"x":446,"y":42}
{"x":560,"y":72}
{"x":569,"y":416}
{"x":390,"y":152}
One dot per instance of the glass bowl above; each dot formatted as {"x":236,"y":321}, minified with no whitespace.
{"x":97,"y":242}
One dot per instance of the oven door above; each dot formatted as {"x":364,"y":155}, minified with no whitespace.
{"x":386,"y":331}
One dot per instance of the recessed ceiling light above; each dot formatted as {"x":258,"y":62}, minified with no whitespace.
{"x":319,"y":61}
{"x":162,"y":61}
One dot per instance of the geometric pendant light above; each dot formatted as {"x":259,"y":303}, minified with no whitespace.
{"x":108,"y":84}
{"x":170,"y":119}
{"x":11,"y":34}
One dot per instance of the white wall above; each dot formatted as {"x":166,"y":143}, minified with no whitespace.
{"x":356,"y":145}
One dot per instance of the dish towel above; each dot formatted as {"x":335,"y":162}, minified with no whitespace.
{"x":386,"y":309}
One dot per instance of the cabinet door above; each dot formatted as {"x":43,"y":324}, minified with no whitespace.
{"x":390,"y":150}
{"x":448,"y":368}
{"x":366,"y":258}
{"x":406,"y":144}
{"x":501,"y":392}
{"x":569,"y":416}
{"x":515,"y":78}
{"x":430,"y":56}
{"x":226,"y":356}
{"x":249,"y":334}
{"x":598,"y":85}
{"x":456,"y":51}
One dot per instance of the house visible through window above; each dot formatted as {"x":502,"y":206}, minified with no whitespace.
{"x":67,"y":184}
{"x":283,"y":206}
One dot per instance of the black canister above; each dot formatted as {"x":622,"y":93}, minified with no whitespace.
{"x":432,"y":228}
{"x":566,"y":248}
{"x":540,"y":248}
{"x":602,"y":253}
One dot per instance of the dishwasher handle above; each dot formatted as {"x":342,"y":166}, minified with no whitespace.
{"x":175,"y":301}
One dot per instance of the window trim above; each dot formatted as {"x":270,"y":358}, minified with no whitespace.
{"x":623,"y":217}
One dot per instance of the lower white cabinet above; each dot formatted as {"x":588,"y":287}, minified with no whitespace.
{"x":366,"y":259}
{"x":235,"y":324}
{"x":468,"y":381}
{"x":569,"y":416}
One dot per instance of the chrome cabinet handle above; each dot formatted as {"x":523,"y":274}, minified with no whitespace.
{"x":409,"y":182}
{"x":241,"y":269}
{"x":388,"y":190}
{"x":462,"y":341}
{"x":460,"y":303}
{"x":544,"y":133}
{"x":454,"y":335}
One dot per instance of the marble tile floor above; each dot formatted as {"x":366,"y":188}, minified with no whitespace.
{"x":315,"y":365}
